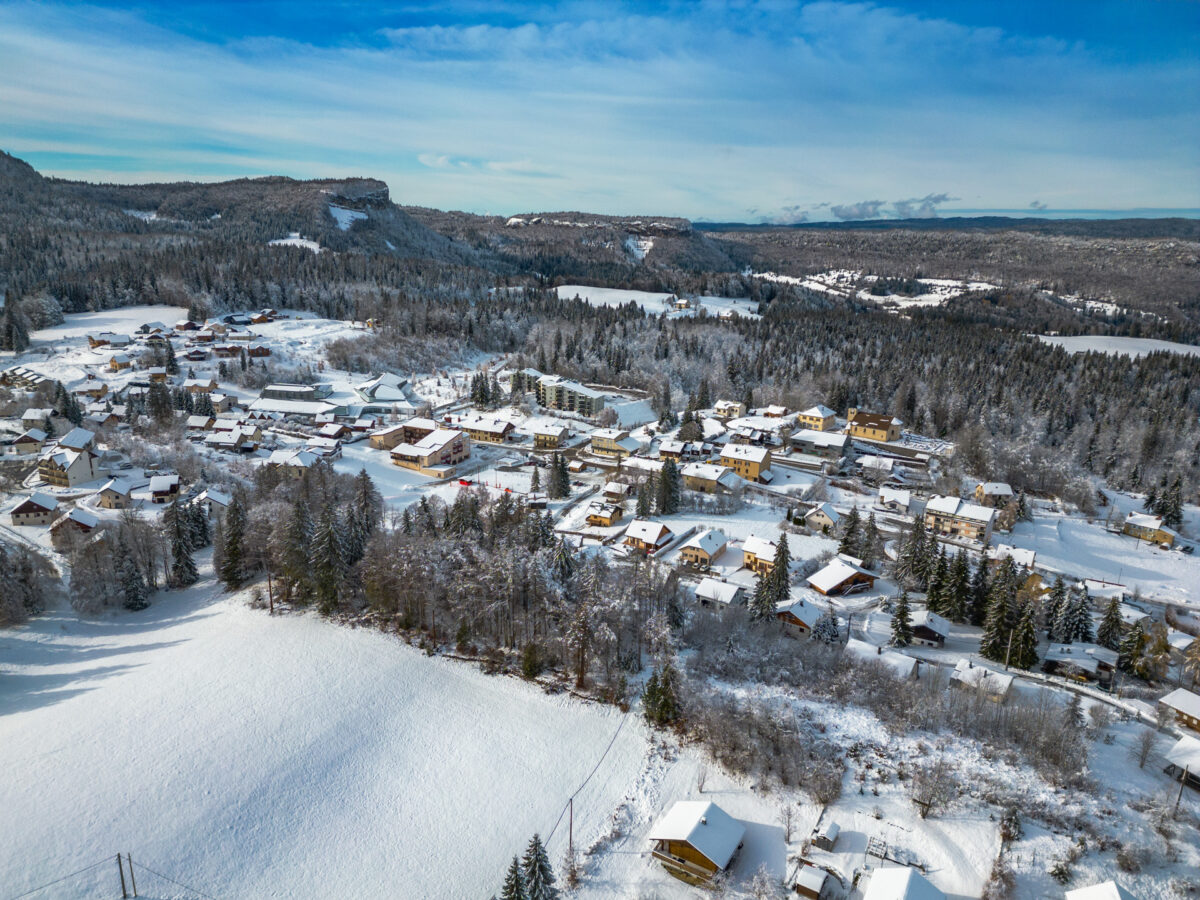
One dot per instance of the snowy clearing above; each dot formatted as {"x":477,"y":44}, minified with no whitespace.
{"x":259,"y":757}
{"x":1116,"y":345}
{"x":294,"y":240}
{"x":345,"y":217}
{"x":656,"y":302}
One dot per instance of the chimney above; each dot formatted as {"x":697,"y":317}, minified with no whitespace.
{"x":704,"y":820}
{"x":879,"y":651}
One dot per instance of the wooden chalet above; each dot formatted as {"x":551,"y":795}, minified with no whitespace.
{"x":798,"y":617}
{"x":647,"y":535}
{"x":604,"y":515}
{"x":1185,"y":706}
{"x":842,"y":575}
{"x":695,"y":840}
{"x":78,"y":520}
{"x":37,"y":509}
{"x":164,"y":488}
{"x":929,"y":629}
{"x":701,"y":549}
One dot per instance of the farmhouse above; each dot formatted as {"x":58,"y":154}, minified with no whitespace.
{"x":554,"y":392}
{"x":929,"y":629}
{"x":613,"y":442}
{"x":751,"y":463}
{"x":549,"y":437}
{"x":647,"y":535}
{"x":116,"y":494}
{"x":872,"y":426}
{"x":713,"y":590}
{"x":822,"y":517}
{"x":695,"y":840}
{"x":119,"y":362}
{"x":37,"y":509}
{"x":758,"y":555}
{"x":701,"y":549}
{"x":842,"y":575}
{"x":956,"y":518}
{"x":988,"y":682}
{"x":823,"y":444}
{"x":729,"y":409}
{"x":708,"y":478}
{"x":995,"y":494}
{"x":817,"y":418}
{"x":604,"y":515}
{"x":200,"y":423}
{"x":1186,"y":707}
{"x":435,"y":454}
{"x":1148,"y":528}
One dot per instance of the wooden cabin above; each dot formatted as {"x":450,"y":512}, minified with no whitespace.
{"x":647,"y":535}
{"x":604,"y":515}
{"x":695,"y":840}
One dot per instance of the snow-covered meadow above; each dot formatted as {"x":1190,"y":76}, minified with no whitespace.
{"x":267,"y":757}
{"x":1116,"y":345}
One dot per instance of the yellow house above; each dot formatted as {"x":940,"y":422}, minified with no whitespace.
{"x":695,"y":840}
{"x":758,"y":555}
{"x":613,"y":442}
{"x":872,"y":426}
{"x":730,"y":409}
{"x":751,"y":462}
{"x":119,"y":361}
{"x":995,"y":494}
{"x":1148,"y":528}
{"x":604,"y":515}
{"x":708,"y":478}
{"x":817,"y":418}
{"x":701,"y":549}
{"x":491,"y":431}
{"x":550,"y":437}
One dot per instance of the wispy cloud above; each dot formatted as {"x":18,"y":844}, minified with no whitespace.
{"x":704,"y":110}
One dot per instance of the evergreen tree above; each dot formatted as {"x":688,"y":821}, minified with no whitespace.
{"x":180,"y":533}
{"x":851,"y":534}
{"x":958,"y":588}
{"x":870,"y":548}
{"x":233,"y":532}
{"x":539,"y":875}
{"x":328,"y":564}
{"x":1133,"y":646}
{"x":936,"y":594}
{"x":535,"y":482}
{"x":1075,"y":719}
{"x":514,"y":883}
{"x":1111,"y":626}
{"x":198,"y":525}
{"x":994,"y":643}
{"x":1172,"y":504}
{"x":172,"y":364}
{"x":1056,"y":604}
{"x":1024,"y":639}
{"x":977,"y":606}
{"x":644,"y":506}
{"x":14,"y":328}
{"x":660,"y":700}
{"x":902,"y":634}
{"x":1075,"y":625}
{"x":826,"y":630}
{"x":134,"y":593}
{"x":670,"y":488}
{"x":158,"y":403}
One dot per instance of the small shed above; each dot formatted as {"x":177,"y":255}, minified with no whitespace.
{"x":825,"y":835}
{"x":810,"y":882}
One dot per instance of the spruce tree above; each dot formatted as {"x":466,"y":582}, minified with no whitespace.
{"x":1056,"y":604}
{"x":994,"y":643}
{"x":514,"y":883}
{"x":172,"y":364}
{"x":643,"y":499}
{"x":902,"y":633}
{"x":539,"y":875}
{"x":14,"y":328}
{"x":958,"y":588}
{"x":851,"y":534}
{"x":1111,"y":626}
{"x":1024,"y":639}
{"x":870,"y":548}
{"x":535,"y":482}
{"x":1075,"y":719}
{"x":327,"y":560}
{"x":977,"y":606}
{"x":134,"y":593}
{"x":1132,"y":648}
{"x":183,"y":567}
{"x":233,"y":533}
{"x":670,"y":488}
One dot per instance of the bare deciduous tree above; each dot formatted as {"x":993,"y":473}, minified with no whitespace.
{"x":1143,"y":746}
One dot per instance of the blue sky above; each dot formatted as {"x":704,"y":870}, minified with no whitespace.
{"x":750,"y":111}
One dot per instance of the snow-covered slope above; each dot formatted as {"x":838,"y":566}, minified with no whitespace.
{"x":287,"y":757}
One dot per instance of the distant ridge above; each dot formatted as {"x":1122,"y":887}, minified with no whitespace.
{"x":1184,"y":229}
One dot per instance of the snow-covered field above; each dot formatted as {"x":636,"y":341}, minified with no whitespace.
{"x":1116,"y":345}
{"x":843,"y":283}
{"x":253,"y":756}
{"x":295,"y":240}
{"x":656,"y":302}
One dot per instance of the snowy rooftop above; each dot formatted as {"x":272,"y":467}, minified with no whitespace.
{"x":746,"y":452}
{"x":1019,"y":555}
{"x":1186,"y":754}
{"x":996,"y":489}
{"x":976,"y":676}
{"x":45,"y":501}
{"x":932,"y":621}
{"x":900,"y":883}
{"x":954,"y":506}
{"x":710,"y":541}
{"x":818,"y":411}
{"x":118,"y":485}
{"x":827,"y":509}
{"x":76,"y":439}
{"x":164,"y":482}
{"x":834,"y":573}
{"x":807,"y":613}
{"x":900,"y":663}
{"x":704,"y":826}
{"x":1107,"y":890}
{"x":894,"y":495}
{"x":1084,"y":656}
{"x":759,"y":547}
{"x":1184,"y":701}
{"x":647,"y":530}
{"x":821,"y":438}
{"x":717,"y":590}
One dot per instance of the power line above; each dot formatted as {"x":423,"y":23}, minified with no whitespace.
{"x":64,"y":878}
{"x":589,"y":778}
{"x":186,"y":887}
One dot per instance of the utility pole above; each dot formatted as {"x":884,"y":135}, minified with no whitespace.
{"x":121,"y":871}
{"x":1178,"y":797}
{"x":270,"y":592}
{"x":1008,"y":652}
{"x":132,"y":880}
{"x":571,"y":828}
